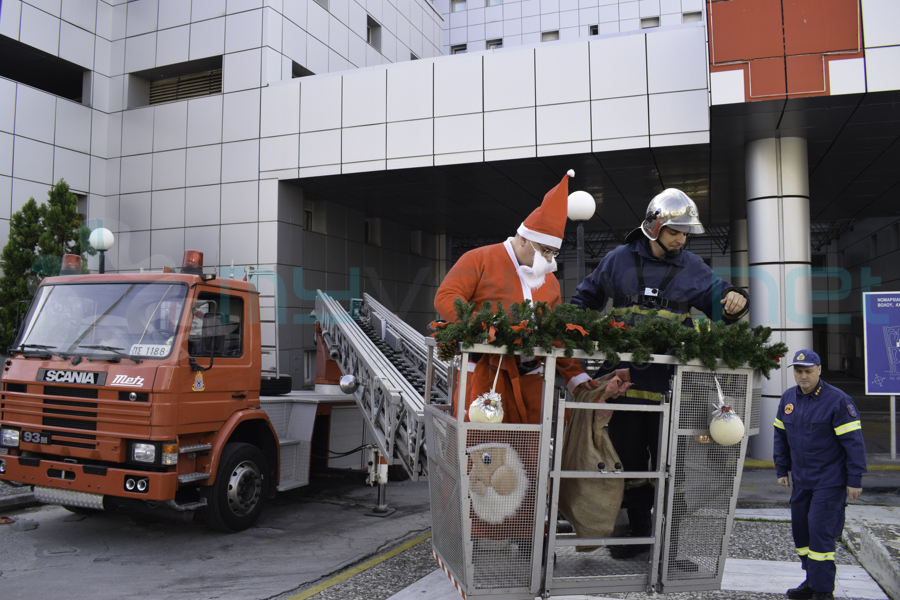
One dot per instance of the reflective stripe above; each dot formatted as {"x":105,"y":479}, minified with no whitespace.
{"x":803,"y":551}
{"x":848,"y":427}
{"x":653,"y":396}
{"x":779,"y":424}
{"x":821,"y":556}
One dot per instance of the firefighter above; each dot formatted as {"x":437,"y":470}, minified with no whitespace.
{"x":652,"y":271}
{"x":818,"y":439}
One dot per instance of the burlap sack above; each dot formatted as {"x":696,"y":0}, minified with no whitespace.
{"x":591,"y":505}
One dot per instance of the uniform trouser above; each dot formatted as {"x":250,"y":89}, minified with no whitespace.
{"x":817,"y":519}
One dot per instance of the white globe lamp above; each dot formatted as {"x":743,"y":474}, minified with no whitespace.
{"x":580,"y":209}
{"x":101,"y":240}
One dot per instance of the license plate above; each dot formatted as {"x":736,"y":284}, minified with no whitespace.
{"x":36,"y":437}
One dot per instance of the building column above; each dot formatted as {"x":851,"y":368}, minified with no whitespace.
{"x":737,"y":243}
{"x":777,"y":176}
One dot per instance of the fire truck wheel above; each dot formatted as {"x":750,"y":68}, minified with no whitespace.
{"x":236,"y":499}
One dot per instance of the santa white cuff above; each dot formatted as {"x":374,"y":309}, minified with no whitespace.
{"x":576,"y":381}
{"x":540,"y":238}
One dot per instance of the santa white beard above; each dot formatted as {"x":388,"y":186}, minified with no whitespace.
{"x":534,"y":275}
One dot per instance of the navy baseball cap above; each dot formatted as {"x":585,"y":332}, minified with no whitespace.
{"x":806,"y":358}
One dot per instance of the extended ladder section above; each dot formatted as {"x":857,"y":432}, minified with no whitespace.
{"x":387,"y":370}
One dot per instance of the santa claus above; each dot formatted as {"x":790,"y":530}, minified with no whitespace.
{"x":521,"y":268}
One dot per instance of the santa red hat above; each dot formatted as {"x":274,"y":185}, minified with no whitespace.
{"x":546,"y":225}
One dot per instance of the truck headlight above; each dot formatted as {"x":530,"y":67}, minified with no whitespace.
{"x":9,"y":438}
{"x":145,"y":453}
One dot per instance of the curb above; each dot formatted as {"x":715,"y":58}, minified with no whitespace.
{"x":17,"y":501}
{"x":874,"y":556}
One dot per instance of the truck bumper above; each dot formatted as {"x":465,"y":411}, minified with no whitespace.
{"x":87,"y":478}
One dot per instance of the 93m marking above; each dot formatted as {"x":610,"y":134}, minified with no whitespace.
{"x":35,"y":437}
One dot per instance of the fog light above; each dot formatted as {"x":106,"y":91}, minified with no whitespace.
{"x":129,"y":484}
{"x":143,"y":452}
{"x":9,"y":438}
{"x":142,"y":485}
{"x":170,"y":453}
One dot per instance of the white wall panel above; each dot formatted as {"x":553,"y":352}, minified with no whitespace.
{"x":5,"y":204}
{"x":240,"y":202}
{"x":296,"y":12}
{"x":458,"y":86}
{"x":76,"y":45}
{"x":316,"y":55}
{"x":364,"y":143}
{"x":847,"y":76}
{"x":134,"y":212}
{"x":458,"y":134}
{"x":294,"y":43}
{"x":241,"y":116}
{"x":7,"y":105}
{"x":880,"y":19}
{"x":243,"y":253}
{"x":882,"y":69}
{"x":317,"y":22}
{"x":278,"y":153}
{"x":558,"y":63}
{"x":10,"y":18}
{"x":207,"y":9}
{"x":338,"y":8}
{"x":204,"y":165}
{"x":134,"y":252}
{"x":173,"y":45}
{"x":74,"y":167}
{"x":35,"y":114}
{"x":619,"y":118}
{"x":140,"y":52}
{"x":137,"y":131}
{"x":32,"y":160}
{"x":6,"y":157}
{"x":241,"y":70}
{"x":280,"y":109}
{"x":39,"y":29}
{"x":320,"y":104}
{"x":240,"y":161}
{"x":168,"y":169}
{"x":167,"y":210}
{"x":204,"y":124}
{"x":320,"y":148}
{"x":142,"y":17}
{"x":339,"y":36}
{"x":98,"y":176}
{"x":170,"y":126}
{"x":243,"y":31}
{"x":561,"y":123}
{"x":508,"y":80}
{"x":22,"y":190}
{"x":509,"y":128}
{"x":173,"y":13}
{"x":727,"y":87}
{"x":166,"y":247}
{"x":201,"y":206}
{"x":364,"y":101}
{"x":207,"y":38}
{"x":410,"y":138}
{"x":73,"y":126}
{"x":618,"y":67}
{"x":676,"y":60}
{"x":206,"y":240}
{"x":679,"y":112}
{"x":410,"y":92}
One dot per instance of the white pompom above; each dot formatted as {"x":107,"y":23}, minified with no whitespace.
{"x":571,"y":173}
{"x":727,"y":432}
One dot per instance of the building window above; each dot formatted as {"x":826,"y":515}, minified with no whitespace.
{"x":38,"y":69}
{"x":373,"y":33}
{"x":458,"y":49}
{"x":649,"y":22}
{"x":412,"y":56}
{"x":692,"y":17}
{"x":549,"y":36}
{"x":494,"y":44}
{"x":188,"y":86}
{"x":457,"y":5}
{"x":308,"y":220}
{"x":298,"y":70}
{"x":309,"y":366}
{"x":494,"y":2}
{"x":593,"y":30}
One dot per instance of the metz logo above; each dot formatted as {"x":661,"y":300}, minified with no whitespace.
{"x":126,"y":381}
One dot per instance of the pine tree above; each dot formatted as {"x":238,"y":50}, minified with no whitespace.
{"x":63,"y":230}
{"x":18,"y":256}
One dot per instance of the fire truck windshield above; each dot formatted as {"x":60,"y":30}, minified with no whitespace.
{"x":132,"y":320}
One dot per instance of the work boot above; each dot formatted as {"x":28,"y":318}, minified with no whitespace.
{"x":801,"y":592}
{"x":640,"y":525}
{"x":823,"y":596}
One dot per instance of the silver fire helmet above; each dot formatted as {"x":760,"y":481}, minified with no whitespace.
{"x":671,"y":208}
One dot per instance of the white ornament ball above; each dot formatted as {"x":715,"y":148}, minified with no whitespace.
{"x":727,"y":433}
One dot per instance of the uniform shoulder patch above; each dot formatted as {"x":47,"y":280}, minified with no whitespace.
{"x":788,"y":409}
{"x":852,"y":410}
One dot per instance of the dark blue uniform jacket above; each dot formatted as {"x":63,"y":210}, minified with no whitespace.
{"x":818,"y":438}
{"x":686,"y":282}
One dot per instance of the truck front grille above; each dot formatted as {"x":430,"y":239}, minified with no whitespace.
{"x":71,"y":392}
{"x":19,"y":388}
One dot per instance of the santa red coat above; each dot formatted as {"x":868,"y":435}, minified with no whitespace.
{"x":490,"y":274}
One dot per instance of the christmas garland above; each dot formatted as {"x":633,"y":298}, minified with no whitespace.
{"x":528,"y":325}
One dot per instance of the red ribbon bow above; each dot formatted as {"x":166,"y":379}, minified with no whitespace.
{"x":570,"y":327}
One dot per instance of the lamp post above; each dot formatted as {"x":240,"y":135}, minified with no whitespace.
{"x":102,"y":240}
{"x":581,"y":208}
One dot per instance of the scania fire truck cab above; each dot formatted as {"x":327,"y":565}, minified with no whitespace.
{"x":141,"y":389}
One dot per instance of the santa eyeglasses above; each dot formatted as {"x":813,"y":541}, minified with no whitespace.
{"x":547,"y":252}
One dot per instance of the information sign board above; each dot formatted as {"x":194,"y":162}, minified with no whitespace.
{"x":881,"y":327}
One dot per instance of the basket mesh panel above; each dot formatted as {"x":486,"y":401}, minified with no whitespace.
{"x":571,"y":565}
{"x":502,"y":524}
{"x":755,"y":409}
{"x":699,"y":397}
{"x":445,"y":491}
